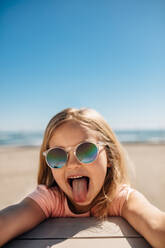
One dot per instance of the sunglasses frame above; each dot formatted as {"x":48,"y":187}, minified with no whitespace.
{"x":74,"y":148}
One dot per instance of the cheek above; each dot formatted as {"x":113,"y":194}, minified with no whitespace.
{"x":102,"y":159}
{"x":100,"y":167}
{"x":56,"y":174}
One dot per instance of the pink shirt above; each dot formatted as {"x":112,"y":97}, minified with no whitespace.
{"x":54,"y":204}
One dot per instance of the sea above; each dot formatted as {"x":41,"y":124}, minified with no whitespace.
{"x":34,"y":138}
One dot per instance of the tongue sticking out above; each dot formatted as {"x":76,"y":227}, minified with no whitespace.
{"x":80,"y":190}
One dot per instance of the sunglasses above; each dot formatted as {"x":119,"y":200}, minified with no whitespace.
{"x":85,"y":152}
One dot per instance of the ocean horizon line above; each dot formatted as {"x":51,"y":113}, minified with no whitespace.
{"x":34,"y":138}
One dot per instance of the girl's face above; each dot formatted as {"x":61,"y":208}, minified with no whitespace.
{"x":80,"y":193}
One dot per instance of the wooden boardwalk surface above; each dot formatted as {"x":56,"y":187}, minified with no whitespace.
{"x":80,"y":233}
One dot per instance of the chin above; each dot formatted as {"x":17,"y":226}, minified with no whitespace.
{"x":82,"y":203}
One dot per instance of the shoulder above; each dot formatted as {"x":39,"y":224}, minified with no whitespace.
{"x":138,"y":204}
{"x":137,"y":210}
{"x":43,"y":190}
{"x":49,"y":199}
{"x":121,"y":196}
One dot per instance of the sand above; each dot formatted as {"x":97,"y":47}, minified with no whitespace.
{"x":19,"y":165}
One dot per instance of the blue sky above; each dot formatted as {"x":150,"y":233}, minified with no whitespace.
{"x":107,"y":55}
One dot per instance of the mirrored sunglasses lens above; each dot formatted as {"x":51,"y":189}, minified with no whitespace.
{"x":56,"y":158}
{"x":86,"y":152}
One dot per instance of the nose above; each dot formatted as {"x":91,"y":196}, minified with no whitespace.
{"x":72,"y":161}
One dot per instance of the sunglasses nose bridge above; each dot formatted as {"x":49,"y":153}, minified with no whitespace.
{"x":72,"y":160}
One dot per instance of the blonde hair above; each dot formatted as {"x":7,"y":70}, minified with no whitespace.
{"x":116,"y":173}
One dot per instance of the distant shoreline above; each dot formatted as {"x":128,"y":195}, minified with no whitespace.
{"x":123,"y":143}
{"x":143,"y":143}
{"x":32,"y":139}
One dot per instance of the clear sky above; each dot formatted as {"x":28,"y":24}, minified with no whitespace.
{"x":103,"y":54}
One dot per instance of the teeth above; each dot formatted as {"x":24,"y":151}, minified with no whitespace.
{"x":75,"y":177}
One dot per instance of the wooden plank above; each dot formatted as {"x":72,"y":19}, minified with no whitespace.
{"x":80,"y":232}
{"x":81,"y":243}
{"x":82,"y":227}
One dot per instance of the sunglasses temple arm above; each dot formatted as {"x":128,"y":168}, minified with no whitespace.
{"x":44,"y":153}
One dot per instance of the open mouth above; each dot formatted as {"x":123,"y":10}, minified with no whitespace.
{"x":70,"y":180}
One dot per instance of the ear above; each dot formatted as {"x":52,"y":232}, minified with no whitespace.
{"x":108,"y":159}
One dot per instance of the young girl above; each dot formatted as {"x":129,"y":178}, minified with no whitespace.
{"x":82,"y":172}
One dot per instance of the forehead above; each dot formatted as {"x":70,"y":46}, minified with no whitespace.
{"x":71,"y":133}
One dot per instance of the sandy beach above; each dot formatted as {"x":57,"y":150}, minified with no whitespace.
{"x":19,"y":165}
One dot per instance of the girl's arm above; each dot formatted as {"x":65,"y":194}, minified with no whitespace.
{"x":148,"y":220}
{"x":19,"y":218}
